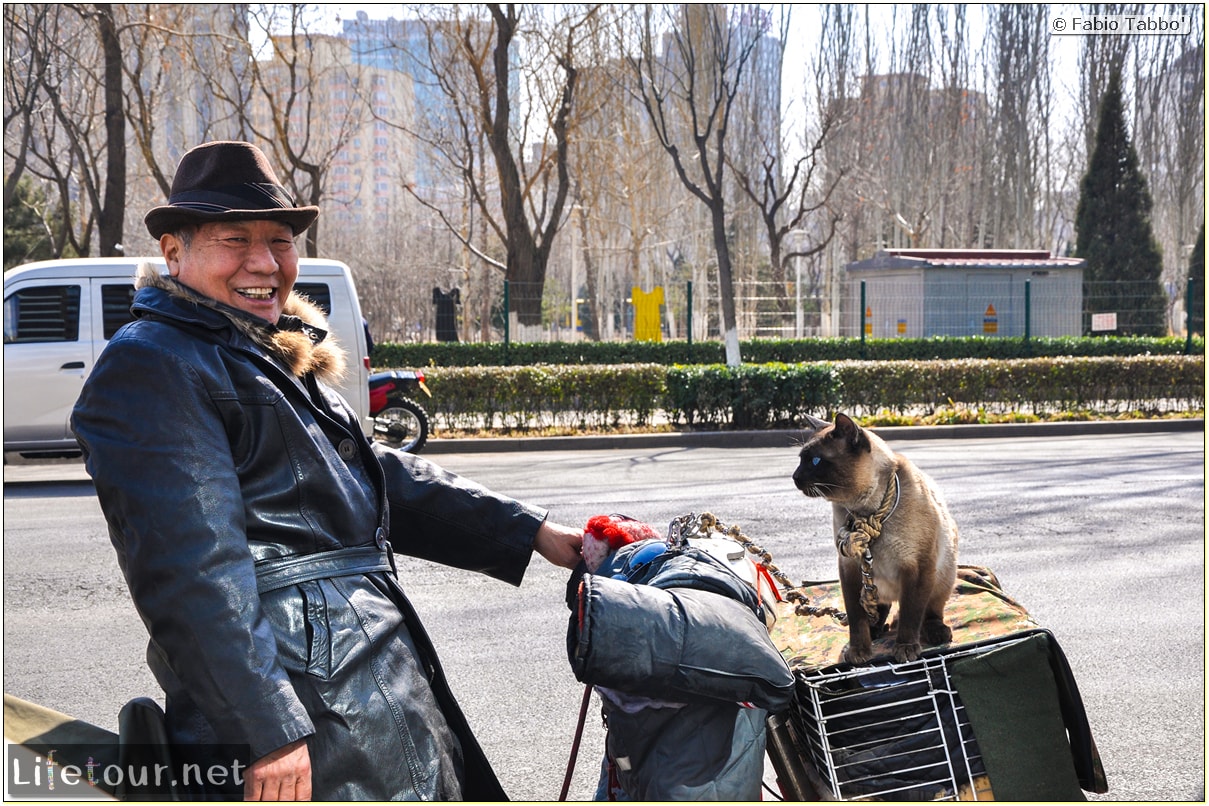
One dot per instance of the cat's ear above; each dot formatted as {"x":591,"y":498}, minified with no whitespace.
{"x":847,"y":430}
{"x":815,"y":423}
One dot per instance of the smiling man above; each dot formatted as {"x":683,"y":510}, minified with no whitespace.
{"x":255,"y":524}
{"x":250,"y":265}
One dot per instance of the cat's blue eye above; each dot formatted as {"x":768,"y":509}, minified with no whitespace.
{"x":815,"y":461}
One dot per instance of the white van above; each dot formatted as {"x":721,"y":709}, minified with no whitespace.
{"x":60,"y":314}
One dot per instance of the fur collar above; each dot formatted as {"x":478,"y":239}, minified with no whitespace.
{"x":326,"y":358}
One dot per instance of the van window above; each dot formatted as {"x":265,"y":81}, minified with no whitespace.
{"x":115,"y":307}
{"x":318,"y":293}
{"x":43,"y":313}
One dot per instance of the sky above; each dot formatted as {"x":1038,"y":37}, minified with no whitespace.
{"x":804,"y":34}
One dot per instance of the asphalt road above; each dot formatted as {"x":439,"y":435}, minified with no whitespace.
{"x":1100,"y":536}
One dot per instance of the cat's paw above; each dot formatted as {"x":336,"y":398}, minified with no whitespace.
{"x":937,"y":632}
{"x":855,"y":656}
{"x":905,"y":653}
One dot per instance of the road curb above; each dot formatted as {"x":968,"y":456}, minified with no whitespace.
{"x":790,"y":438}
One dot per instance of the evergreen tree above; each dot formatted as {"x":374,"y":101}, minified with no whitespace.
{"x":1113,"y":226}
{"x":26,"y":236}
{"x":1196,"y":276}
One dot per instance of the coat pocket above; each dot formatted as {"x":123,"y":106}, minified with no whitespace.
{"x":318,"y":630}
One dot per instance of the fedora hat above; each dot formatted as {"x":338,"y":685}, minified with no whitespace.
{"x":226,"y":181}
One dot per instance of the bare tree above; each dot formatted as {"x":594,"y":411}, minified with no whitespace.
{"x":26,"y":31}
{"x":880,"y":136}
{"x":171,"y":98}
{"x":96,"y":93}
{"x":479,"y":63}
{"x":594,"y":164}
{"x":788,"y":196}
{"x":1169,"y":134}
{"x":903,"y":190}
{"x":905,"y":145}
{"x":628,"y":202}
{"x":60,"y":146}
{"x":689,"y":90}
{"x":528,"y":248}
{"x":958,"y":114}
{"x":1020,"y":116}
{"x":837,"y":66}
{"x":148,"y":78}
{"x":935,"y":158}
{"x":113,"y":207}
{"x":300,"y":100}
{"x":69,"y":127}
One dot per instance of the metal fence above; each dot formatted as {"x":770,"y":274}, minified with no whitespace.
{"x":877,"y":308}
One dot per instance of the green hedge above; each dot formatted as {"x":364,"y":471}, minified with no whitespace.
{"x":768,"y":351}
{"x":779,"y":395}
{"x":539,"y":396}
{"x":750,"y":396}
{"x":1036,"y":385}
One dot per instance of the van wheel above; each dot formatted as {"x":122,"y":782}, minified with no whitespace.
{"x":403,"y":424}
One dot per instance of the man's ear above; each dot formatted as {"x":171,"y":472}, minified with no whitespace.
{"x":171,"y":248}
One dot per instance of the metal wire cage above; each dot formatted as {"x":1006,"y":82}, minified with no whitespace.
{"x":892,"y":732}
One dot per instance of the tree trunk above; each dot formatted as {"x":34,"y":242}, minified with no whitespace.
{"x":526,"y":274}
{"x":726,"y":283}
{"x":111,"y":220}
{"x":591,"y":325}
{"x":312,"y":233}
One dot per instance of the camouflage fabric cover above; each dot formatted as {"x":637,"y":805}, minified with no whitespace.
{"x":978,"y":610}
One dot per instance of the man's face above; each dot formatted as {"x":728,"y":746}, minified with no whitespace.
{"x":251,"y":265}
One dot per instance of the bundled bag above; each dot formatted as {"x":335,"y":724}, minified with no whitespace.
{"x":683,"y":627}
{"x":676,"y":642}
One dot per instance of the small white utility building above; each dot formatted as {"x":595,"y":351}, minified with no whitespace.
{"x":919,"y":293}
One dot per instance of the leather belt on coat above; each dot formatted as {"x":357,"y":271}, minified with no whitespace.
{"x":285,"y":571}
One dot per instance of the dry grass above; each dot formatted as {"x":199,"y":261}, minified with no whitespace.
{"x":957,"y":415}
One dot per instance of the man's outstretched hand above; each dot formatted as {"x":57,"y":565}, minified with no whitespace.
{"x":560,"y":545}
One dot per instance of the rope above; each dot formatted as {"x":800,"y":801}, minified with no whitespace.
{"x":706,"y":522}
{"x":579,"y":733}
{"x":855,"y":538}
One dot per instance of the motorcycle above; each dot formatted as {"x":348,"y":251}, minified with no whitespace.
{"x":399,"y":421}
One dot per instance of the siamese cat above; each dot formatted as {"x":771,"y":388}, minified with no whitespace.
{"x":904,"y":524}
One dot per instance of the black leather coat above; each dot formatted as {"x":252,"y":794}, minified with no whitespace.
{"x":218,"y":456}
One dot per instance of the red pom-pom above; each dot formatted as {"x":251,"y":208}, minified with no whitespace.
{"x":605,"y":534}
{"x":618,"y":530}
